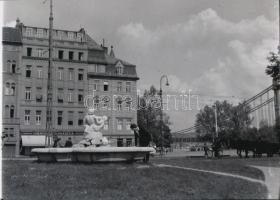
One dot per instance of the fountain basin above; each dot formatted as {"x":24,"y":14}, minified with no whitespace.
{"x":93,"y":154}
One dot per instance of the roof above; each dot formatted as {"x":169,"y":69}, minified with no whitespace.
{"x":11,"y":35}
{"x":92,"y":44}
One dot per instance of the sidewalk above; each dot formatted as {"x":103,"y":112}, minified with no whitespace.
{"x":193,"y":154}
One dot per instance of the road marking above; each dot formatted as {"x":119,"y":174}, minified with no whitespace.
{"x":272,"y":177}
{"x":214,"y":172}
{"x":272,"y":180}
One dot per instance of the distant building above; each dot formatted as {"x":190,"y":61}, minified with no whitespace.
{"x":182,"y":141}
{"x":81,"y":67}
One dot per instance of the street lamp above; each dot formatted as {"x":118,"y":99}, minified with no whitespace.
{"x":161,"y":105}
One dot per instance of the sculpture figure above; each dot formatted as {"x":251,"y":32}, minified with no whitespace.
{"x":92,"y":135}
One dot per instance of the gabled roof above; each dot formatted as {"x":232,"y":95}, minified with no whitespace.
{"x":11,"y":35}
{"x":92,"y":44}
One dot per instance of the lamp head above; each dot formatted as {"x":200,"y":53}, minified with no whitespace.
{"x":167,"y":83}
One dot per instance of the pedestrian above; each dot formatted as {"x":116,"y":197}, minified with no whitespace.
{"x":205,"y":148}
{"x":135,"y":129}
{"x":56,"y":142}
{"x":68,"y":142}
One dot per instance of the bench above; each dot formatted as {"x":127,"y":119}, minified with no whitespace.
{"x":93,"y":154}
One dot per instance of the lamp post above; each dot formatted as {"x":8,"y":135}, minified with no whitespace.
{"x":161,"y":106}
{"x":49,"y":125}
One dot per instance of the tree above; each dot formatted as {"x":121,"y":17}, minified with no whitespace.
{"x":231,"y":120}
{"x":148,"y":117}
{"x":273,"y":70}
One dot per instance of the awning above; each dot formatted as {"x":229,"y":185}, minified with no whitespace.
{"x":33,"y":140}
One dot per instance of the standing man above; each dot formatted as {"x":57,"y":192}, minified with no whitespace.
{"x":68,"y":143}
{"x":205,"y":148}
{"x":135,"y":129}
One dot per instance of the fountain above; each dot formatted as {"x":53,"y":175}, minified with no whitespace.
{"x":93,"y":147}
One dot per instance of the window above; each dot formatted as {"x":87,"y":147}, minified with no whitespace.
{"x":60,"y":74}
{"x":60,"y":54}
{"x":29,"y":31}
{"x":70,"y":35}
{"x":129,"y":142}
{"x":128,"y":87}
{"x":12,"y":111}
{"x":80,"y":75}
{"x":13,"y":68}
{"x":8,"y":66}
{"x":27,"y":93}
{"x":127,"y":124}
{"x":71,"y":74}
{"x":13,"y":89}
{"x":38,"y":117}
{"x":105,"y":102}
{"x":39,"y":72}
{"x":28,"y":71}
{"x":128,"y":101}
{"x":27,"y":117}
{"x":11,"y":132}
{"x":60,"y":95}
{"x":106,"y":86}
{"x":40,"y":52}
{"x":80,"y":122}
{"x":40,"y":33}
{"x":10,"y":89}
{"x":119,"y":87}
{"x":71,"y":55}
{"x":59,"y":117}
{"x":119,"y":142}
{"x":96,"y":85}
{"x":7,"y":110}
{"x":70,"y":95}
{"x":39,"y":96}
{"x":70,"y":118}
{"x":80,"y":98}
{"x":81,"y":55}
{"x":119,"y":124}
{"x":119,"y":103}
{"x":119,"y":70}
{"x":80,"y":119}
{"x":7,"y":89}
{"x":29,"y":51}
{"x":106,"y":124}
{"x":96,"y":102}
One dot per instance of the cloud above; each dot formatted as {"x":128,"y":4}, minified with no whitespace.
{"x":206,"y":53}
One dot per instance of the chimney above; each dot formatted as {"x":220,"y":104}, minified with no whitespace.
{"x":112,"y":54}
{"x":104,"y":47}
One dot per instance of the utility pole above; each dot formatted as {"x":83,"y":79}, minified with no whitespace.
{"x":161,"y":112}
{"x":216,"y":121}
{"x":49,"y":125}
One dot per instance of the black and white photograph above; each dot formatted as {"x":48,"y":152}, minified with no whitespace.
{"x":140,"y":99}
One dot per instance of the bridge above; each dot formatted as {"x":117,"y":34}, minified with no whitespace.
{"x":262,"y":109}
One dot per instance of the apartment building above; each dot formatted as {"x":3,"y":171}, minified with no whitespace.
{"x":82,"y":71}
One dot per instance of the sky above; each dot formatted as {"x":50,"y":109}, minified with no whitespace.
{"x":215,"y":48}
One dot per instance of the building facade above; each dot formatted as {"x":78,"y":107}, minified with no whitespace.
{"x":84,"y":75}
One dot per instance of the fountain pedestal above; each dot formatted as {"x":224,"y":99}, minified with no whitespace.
{"x":94,"y":147}
{"x":93,"y":154}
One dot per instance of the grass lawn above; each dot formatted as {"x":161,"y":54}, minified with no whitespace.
{"x":31,"y":180}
